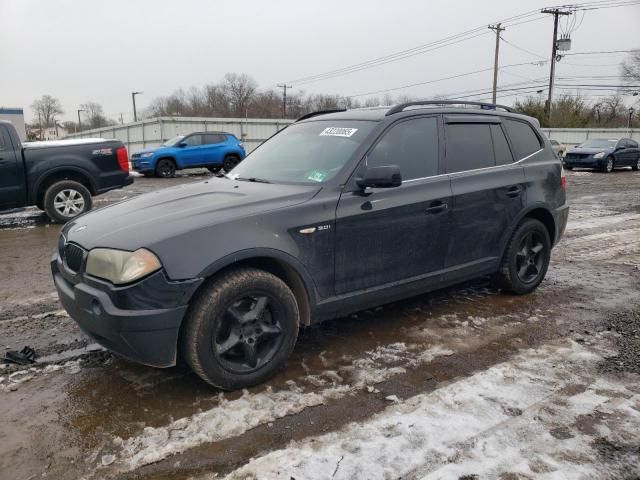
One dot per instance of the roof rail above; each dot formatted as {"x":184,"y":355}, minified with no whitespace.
{"x":482,"y":105}
{"x":320,"y":112}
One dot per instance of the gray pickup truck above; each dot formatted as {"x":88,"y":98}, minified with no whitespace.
{"x":59,"y":177}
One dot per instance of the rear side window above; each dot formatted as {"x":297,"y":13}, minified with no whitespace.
{"x":412,"y":145}
{"x":3,"y":143}
{"x":211,"y":138}
{"x":500,"y":146}
{"x":468,"y":147}
{"x":523,"y":139}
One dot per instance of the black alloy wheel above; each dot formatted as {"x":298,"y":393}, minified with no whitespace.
{"x":530,"y":257}
{"x":249,"y":333}
{"x":165,"y":168}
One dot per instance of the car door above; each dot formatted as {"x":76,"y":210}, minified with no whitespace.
{"x":488,"y":190}
{"x":191,"y":155}
{"x":624,"y":153}
{"x":213,"y":148}
{"x":11,"y":181}
{"x":634,"y":154}
{"x":394,"y":234}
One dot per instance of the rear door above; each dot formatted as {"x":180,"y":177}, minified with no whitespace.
{"x":213,"y":148}
{"x":387,"y":235}
{"x":488,"y":191}
{"x":634,"y":154}
{"x":12,"y":188}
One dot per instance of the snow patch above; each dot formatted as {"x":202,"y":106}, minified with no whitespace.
{"x":514,"y":418}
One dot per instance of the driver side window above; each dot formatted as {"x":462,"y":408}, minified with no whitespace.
{"x":193,"y":140}
{"x":412,"y":145}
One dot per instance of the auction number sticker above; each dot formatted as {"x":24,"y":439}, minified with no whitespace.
{"x":338,"y":132}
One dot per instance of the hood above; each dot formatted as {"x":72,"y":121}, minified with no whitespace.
{"x":149,"y":150}
{"x":154,"y":217}
{"x":589,"y":151}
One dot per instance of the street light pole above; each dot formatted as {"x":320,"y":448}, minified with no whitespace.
{"x":80,"y":121}
{"x":631,"y":110}
{"x":133,"y":99}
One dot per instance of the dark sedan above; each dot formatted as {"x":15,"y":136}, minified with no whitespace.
{"x":604,"y":154}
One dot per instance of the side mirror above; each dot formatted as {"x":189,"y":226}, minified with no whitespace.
{"x":387,"y":176}
{"x":182,"y":144}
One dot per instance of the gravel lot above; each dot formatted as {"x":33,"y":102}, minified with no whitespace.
{"x":463,"y":383}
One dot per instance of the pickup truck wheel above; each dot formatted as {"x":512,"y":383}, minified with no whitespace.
{"x":66,"y":199}
{"x":526,"y":259}
{"x":240,"y":329}
{"x":230,"y":161}
{"x":165,"y":168}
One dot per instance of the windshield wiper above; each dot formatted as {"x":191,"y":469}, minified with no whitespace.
{"x":252,"y":179}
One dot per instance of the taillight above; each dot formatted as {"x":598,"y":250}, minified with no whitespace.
{"x":563,"y":179}
{"x":123,"y":159}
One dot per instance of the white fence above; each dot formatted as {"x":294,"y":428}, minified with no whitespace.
{"x":151,"y":133}
{"x":575,"y":136}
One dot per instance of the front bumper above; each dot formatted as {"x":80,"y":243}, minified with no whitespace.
{"x":142,"y":164}
{"x":140,"y":322}
{"x":588,"y":162}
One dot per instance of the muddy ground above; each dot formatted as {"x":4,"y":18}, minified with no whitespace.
{"x":462,"y":383}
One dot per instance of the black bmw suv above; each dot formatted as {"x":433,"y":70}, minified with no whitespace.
{"x":339,"y":212}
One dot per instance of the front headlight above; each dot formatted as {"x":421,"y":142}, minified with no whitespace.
{"x":119,"y":266}
{"x":599,"y":155}
{"x":146,"y":155}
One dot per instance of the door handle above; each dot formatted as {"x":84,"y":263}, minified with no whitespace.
{"x":514,"y":191}
{"x":437,"y":207}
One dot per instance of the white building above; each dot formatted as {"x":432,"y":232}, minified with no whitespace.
{"x":15,"y":116}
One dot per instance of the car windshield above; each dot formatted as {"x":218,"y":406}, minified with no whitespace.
{"x":598,"y":143}
{"x":310,"y":152}
{"x":173,"y":141}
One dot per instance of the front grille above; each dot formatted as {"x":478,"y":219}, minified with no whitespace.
{"x":577,"y":156}
{"x":73,"y":256}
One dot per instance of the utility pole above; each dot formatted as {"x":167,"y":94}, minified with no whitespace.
{"x":133,"y":99}
{"x":496,"y":28}
{"x":556,"y":12}
{"x":629,"y":120}
{"x":80,"y":121}
{"x":284,"y":87}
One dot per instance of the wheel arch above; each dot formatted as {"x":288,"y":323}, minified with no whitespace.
{"x":538,"y":212}
{"x":60,"y":174}
{"x":166,"y":157}
{"x":278,"y":263}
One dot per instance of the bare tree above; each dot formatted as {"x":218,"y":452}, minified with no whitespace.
{"x":95,"y":115}
{"x":630,"y":67}
{"x":240,"y":90}
{"x":46,"y":108}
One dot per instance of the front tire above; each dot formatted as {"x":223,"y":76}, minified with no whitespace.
{"x":165,"y":168}
{"x":241,"y":329}
{"x":65,"y":200}
{"x":526,"y":259}
{"x":609,"y":165}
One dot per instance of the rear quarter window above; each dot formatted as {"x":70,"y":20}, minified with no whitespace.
{"x":523,"y":138}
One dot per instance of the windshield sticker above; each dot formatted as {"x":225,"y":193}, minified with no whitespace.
{"x":338,"y":132}
{"x":317,"y":175}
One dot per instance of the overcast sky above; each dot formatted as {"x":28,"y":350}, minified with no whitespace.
{"x":86,"y":50}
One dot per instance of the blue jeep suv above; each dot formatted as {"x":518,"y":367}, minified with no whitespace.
{"x":212,"y":150}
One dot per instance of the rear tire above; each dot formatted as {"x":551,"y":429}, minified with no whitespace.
{"x":526,"y":259}
{"x":230,"y":161}
{"x":240,"y":329}
{"x":165,"y":168}
{"x":636,"y":167}
{"x":65,"y":200}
